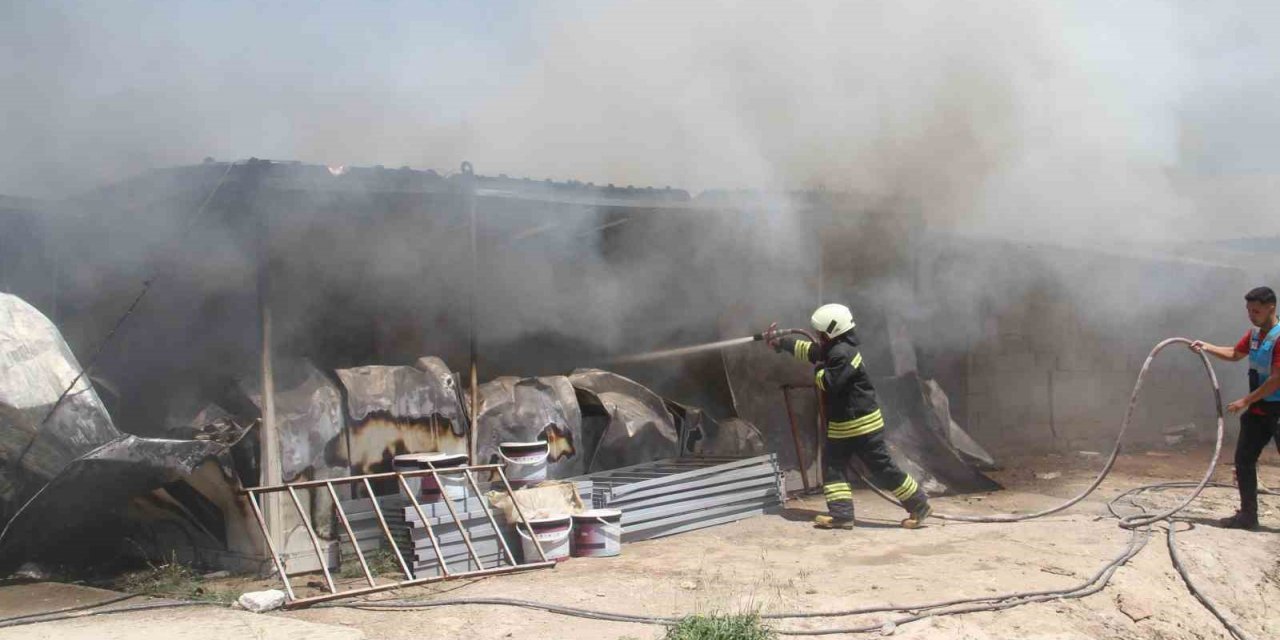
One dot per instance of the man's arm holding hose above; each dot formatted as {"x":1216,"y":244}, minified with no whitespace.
{"x":1222,"y":353}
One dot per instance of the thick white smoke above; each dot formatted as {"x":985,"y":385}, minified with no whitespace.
{"x":1036,"y":119}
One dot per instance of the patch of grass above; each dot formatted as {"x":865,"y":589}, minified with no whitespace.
{"x":171,"y":579}
{"x":745,"y":626}
{"x":382,"y":562}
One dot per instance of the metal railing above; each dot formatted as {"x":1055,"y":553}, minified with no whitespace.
{"x":292,"y":488}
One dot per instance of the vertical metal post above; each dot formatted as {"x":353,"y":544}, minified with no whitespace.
{"x":795,"y":438}
{"x":822,"y":434}
{"x":351,"y":535}
{"x":469,"y":197}
{"x":270,"y":467}
{"x":315,"y":541}
{"x":382,"y":522}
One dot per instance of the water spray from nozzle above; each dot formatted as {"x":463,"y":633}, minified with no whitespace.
{"x":709,"y":346}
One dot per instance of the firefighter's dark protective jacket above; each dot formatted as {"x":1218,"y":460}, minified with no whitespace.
{"x":852,"y":409}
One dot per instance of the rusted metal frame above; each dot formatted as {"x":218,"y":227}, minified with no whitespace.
{"x":493,"y":521}
{"x":795,"y":438}
{"x":430,"y":531}
{"x":295,"y":602}
{"x":386,"y":531}
{"x":315,"y":540}
{"x":822,"y":433}
{"x":351,"y":535}
{"x":371,"y":476}
{"x":462,"y":527}
{"x":537,"y":544}
{"x":306,"y":602}
{"x":271,"y":547}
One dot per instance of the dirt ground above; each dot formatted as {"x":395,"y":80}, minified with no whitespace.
{"x":781,"y":564}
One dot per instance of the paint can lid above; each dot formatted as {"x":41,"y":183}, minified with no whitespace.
{"x":536,"y":444}
{"x":599,"y":514}
{"x":556,"y":519}
{"x":435,"y":458}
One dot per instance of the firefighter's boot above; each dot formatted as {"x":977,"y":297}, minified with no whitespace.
{"x":918,"y":510}
{"x":825,"y":521}
{"x":1247,"y":520}
{"x":839,"y":513}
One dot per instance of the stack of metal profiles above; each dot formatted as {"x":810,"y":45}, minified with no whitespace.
{"x":414,"y":544}
{"x":411,"y":537}
{"x":675,"y":495}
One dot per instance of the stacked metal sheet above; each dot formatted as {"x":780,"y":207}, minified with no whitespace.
{"x":672,"y":496}
{"x":415,"y":546}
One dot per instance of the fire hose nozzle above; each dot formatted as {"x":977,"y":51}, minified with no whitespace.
{"x":773,"y":333}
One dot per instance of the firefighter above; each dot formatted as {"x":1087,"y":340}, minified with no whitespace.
{"x":1260,"y":420}
{"x":855,"y":426}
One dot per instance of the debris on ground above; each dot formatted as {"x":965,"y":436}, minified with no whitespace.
{"x":32,"y":571}
{"x":262,"y":601}
{"x":1134,"y":607}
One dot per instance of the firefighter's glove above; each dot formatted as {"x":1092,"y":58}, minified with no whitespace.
{"x":772,"y":338}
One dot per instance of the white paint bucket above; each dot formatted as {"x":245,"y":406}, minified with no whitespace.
{"x":424,"y":486}
{"x":597,"y":533}
{"x":525,"y":463}
{"x":552,"y":533}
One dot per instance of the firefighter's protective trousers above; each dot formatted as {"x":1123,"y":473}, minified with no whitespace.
{"x":872,"y":452}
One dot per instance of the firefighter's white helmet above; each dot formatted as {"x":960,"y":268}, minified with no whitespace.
{"x":832,"y":319}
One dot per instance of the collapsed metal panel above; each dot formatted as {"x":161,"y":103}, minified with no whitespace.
{"x":675,"y":495}
{"x":920,"y":438}
{"x":393,"y":409}
{"x":638,"y":427}
{"x":52,"y":447}
{"x":530,"y":409}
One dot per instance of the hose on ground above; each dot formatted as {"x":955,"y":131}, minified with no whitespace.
{"x":1138,"y":524}
{"x":82,"y":607}
{"x":89,"y":611}
{"x":1137,"y":541}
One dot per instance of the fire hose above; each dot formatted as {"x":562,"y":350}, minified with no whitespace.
{"x":1138,"y":525}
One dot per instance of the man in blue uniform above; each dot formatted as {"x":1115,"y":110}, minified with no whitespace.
{"x":855,"y":426}
{"x":1261,"y":418}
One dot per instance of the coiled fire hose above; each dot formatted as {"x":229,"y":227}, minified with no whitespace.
{"x":1138,"y":525}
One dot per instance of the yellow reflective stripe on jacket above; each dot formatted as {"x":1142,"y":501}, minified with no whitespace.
{"x":906,"y":489}
{"x":801,"y":350}
{"x":857,"y":360}
{"x":820,"y":379}
{"x":837,"y":491}
{"x":869,"y":423}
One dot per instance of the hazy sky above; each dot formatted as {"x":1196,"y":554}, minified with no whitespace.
{"x":985,"y":108}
